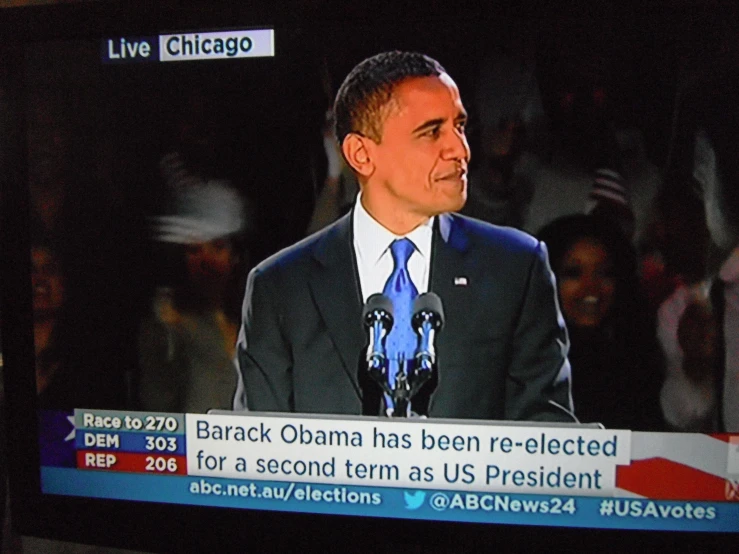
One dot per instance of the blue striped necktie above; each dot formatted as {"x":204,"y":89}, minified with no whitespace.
{"x":401,"y":342}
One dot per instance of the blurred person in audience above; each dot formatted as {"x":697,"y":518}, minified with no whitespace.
{"x":614,"y":357}
{"x":48,"y":297}
{"x":588,"y":181}
{"x":702,"y":390}
{"x":336,"y":195}
{"x":340,"y":187}
{"x":49,"y":147}
{"x":674,"y":247}
{"x":576,"y":83}
{"x":674,"y":276}
{"x":63,"y":380}
{"x":609,"y":200}
{"x":511,"y":137}
{"x":594,"y":144}
{"x":642,"y":178}
{"x":186,"y":344}
{"x":86,"y":219}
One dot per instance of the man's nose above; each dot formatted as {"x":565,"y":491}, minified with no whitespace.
{"x":456,"y":147}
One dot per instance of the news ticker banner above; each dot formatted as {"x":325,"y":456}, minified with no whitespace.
{"x":469,"y":456}
{"x":415,"y":503}
{"x":223,"y":45}
{"x":569,"y":473}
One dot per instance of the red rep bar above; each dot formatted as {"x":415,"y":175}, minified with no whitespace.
{"x":130,"y":462}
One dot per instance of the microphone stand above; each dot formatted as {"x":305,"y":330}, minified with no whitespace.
{"x":401,"y":393}
{"x":428,"y":317}
{"x":408,"y":381}
{"x":396,"y":399}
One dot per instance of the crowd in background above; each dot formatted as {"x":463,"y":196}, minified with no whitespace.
{"x":142,"y":238}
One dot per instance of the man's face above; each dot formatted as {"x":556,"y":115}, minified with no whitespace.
{"x":421,"y":161}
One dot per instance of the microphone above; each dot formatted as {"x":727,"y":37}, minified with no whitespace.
{"x":377,"y":316}
{"x":427,"y":320}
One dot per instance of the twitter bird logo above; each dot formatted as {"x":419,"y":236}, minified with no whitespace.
{"x":414,"y":500}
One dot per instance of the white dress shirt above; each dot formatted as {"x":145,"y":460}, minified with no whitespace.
{"x":375,"y":260}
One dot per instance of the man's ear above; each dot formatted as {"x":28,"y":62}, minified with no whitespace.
{"x":357,"y":151}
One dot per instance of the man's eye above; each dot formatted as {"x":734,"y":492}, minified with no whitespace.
{"x":461,"y":126}
{"x":433,"y":132}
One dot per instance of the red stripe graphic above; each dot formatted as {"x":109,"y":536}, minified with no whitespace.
{"x":663,"y":479}
{"x":725,"y":437}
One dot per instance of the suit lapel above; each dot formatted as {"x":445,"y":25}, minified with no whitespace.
{"x":448,"y":255}
{"x":334,"y":283}
{"x":449,"y":279}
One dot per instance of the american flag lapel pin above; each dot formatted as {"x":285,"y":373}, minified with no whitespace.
{"x":460,"y":281}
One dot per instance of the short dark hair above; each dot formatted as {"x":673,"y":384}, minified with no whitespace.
{"x":369,"y":87}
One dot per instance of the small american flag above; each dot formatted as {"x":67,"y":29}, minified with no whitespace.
{"x":460,"y":281}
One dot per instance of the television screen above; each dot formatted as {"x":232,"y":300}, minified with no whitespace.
{"x":205,"y":291}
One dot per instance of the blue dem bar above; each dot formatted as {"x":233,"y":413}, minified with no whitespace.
{"x":519,"y":509}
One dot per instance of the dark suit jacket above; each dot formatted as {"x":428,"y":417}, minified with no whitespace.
{"x":501,"y":354}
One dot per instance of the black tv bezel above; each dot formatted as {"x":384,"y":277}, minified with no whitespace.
{"x":181,"y":528}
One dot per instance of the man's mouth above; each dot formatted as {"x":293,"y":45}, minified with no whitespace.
{"x":456,"y":175}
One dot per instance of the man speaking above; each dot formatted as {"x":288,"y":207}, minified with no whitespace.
{"x":502,"y":353}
